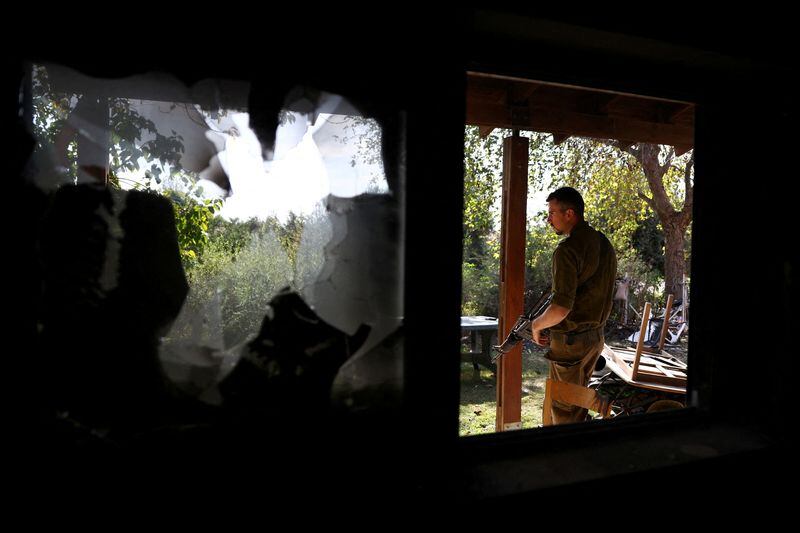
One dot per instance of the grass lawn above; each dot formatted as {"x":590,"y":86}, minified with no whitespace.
{"x":478,"y":394}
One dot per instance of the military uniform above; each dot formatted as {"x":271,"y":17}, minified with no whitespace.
{"x":584,"y":272}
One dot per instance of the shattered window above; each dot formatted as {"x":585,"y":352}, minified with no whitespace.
{"x":203,"y":246}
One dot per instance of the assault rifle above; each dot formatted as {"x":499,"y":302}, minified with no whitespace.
{"x":522,"y":329}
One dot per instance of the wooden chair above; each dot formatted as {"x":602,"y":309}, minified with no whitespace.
{"x":651,"y":368}
{"x":572,"y":394}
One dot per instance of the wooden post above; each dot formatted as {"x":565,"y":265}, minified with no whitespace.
{"x":665,"y":325}
{"x":640,"y":343}
{"x":512,"y":278}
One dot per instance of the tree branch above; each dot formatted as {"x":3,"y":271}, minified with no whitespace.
{"x":634,"y":150}
{"x":668,"y":160}
{"x":654,"y":172}
{"x":649,"y":201}
{"x":686,"y":212}
{"x":621,"y":146}
{"x":687,"y":173}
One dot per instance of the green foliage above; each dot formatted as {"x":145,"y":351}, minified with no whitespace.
{"x":480,"y":292}
{"x":137,"y":145}
{"x":540,"y":243}
{"x":192,"y":219}
{"x":241,"y":267}
{"x":482,"y":181}
{"x":50,"y":109}
{"x":310,"y":252}
{"x":232,"y":235}
{"x":648,"y":241}
{"x":608,"y":179}
{"x":135,"y":142}
{"x":289,"y":235}
{"x":235,"y":288}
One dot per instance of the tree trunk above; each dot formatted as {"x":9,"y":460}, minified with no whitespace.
{"x":674,"y":223}
{"x":674,"y":256}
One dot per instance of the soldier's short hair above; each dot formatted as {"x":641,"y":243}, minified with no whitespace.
{"x":569,"y":198}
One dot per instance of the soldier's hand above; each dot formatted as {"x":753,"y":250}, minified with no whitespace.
{"x":539,"y":337}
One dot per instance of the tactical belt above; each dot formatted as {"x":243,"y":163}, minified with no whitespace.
{"x":571,"y":337}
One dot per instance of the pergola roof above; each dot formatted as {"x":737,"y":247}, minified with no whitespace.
{"x":502,"y":102}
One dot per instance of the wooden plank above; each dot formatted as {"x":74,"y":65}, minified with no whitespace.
{"x":665,"y":371}
{"x":665,"y":325}
{"x":629,"y":355}
{"x":624,"y":370}
{"x":640,"y":343}
{"x":670,"y":360}
{"x":645,"y":363}
{"x":619,"y":371}
{"x":656,"y":370}
{"x":513,"y":231}
{"x":661,"y":379}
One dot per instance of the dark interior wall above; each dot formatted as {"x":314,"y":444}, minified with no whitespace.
{"x":744,"y":265}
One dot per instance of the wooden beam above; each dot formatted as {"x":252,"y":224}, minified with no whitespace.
{"x":559,"y":138}
{"x":512,"y":278}
{"x":682,"y":149}
{"x":485,"y":131}
{"x":520,"y":93}
{"x":590,"y":102}
{"x":553,"y":120}
{"x":681,"y":112}
{"x":607,"y":102}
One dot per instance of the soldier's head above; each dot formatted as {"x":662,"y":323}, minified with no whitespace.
{"x":564,"y":209}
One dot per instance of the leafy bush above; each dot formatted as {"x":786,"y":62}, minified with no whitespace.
{"x":233,"y":289}
{"x":192,"y":218}
{"x":240,"y":267}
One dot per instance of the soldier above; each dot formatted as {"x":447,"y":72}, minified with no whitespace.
{"x":584,"y":271}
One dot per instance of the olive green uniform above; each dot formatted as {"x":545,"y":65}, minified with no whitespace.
{"x":584,"y":271}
